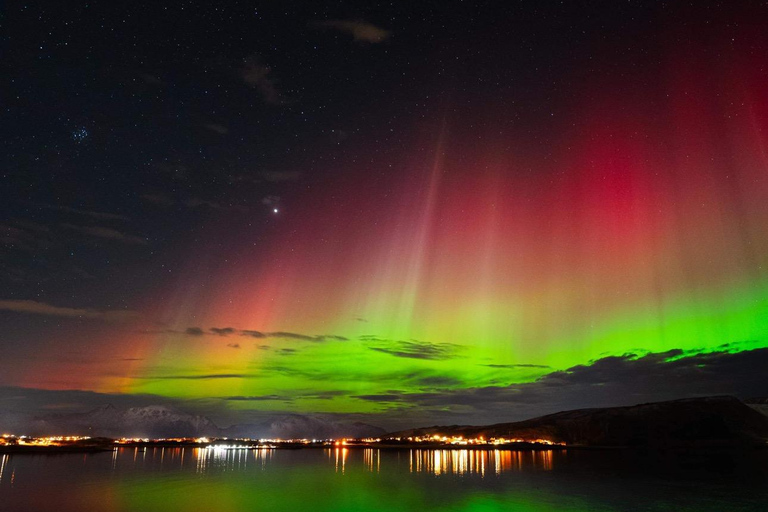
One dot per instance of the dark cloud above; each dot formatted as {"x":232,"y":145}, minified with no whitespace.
{"x":257,"y":398}
{"x":361,"y":31}
{"x":226,"y":331}
{"x":512,"y":366}
{"x":233,"y":345}
{"x":213,"y":376}
{"x":439,"y":381}
{"x":223,"y":331}
{"x":326,"y":395}
{"x":195,"y":202}
{"x":419,"y":350}
{"x":106,"y":234}
{"x":610,"y":381}
{"x":306,"y":337}
{"x":384,"y":397}
{"x":253,"y":334}
{"x":41,"y":308}
{"x":287,"y":351}
{"x":290,"y":336}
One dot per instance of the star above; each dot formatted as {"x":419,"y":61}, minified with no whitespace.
{"x":79,"y":135}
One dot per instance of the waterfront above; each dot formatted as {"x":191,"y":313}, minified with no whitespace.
{"x":339,"y":479}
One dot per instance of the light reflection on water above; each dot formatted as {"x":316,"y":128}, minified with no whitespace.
{"x":436,"y":462}
{"x":460,"y":462}
{"x":363,"y":479}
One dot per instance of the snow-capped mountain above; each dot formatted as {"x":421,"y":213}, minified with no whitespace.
{"x":152,"y":421}
{"x":297,"y":426}
{"x":158,"y":421}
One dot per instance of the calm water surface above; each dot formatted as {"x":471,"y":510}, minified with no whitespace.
{"x":210,"y":480}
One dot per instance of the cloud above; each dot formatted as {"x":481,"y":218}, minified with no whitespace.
{"x":233,"y":345}
{"x":306,"y":337}
{"x":259,"y":76}
{"x":88,"y":213}
{"x":151,"y":79}
{"x":106,"y":233}
{"x":159,"y":199}
{"x":227,"y":331}
{"x":609,"y":381}
{"x":257,"y":398}
{"x":213,"y":376}
{"x":279,"y":176}
{"x":41,"y":308}
{"x":270,"y":200}
{"x":194,"y":202}
{"x":361,"y":31}
{"x":223,"y":331}
{"x":218,"y":128}
{"x":439,"y":381}
{"x":317,"y":395}
{"x":268,"y":177}
{"x":253,"y":334}
{"x":513,"y":366}
{"x":420,"y":350}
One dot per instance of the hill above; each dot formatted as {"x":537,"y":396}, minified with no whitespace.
{"x":694,"y":422}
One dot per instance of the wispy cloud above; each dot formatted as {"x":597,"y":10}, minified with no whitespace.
{"x":41,"y":308}
{"x":262,"y":177}
{"x":513,"y":366}
{"x":257,"y":398}
{"x":360,"y":30}
{"x":218,"y":128}
{"x":419,"y":350}
{"x":609,"y":381}
{"x":106,"y":233}
{"x":212,"y":376}
{"x":253,"y":334}
{"x":258,"y":75}
{"x":192,"y":203}
{"x":88,"y":213}
{"x":159,"y":199}
{"x":223,"y":331}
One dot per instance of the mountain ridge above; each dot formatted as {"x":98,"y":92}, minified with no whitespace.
{"x":692,"y":422}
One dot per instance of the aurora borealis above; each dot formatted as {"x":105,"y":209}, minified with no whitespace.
{"x":384,"y":219}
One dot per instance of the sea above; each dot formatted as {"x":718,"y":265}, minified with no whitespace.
{"x":383,"y":480}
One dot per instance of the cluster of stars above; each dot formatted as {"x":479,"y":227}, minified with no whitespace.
{"x":79,"y":135}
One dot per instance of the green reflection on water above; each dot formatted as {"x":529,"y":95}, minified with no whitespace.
{"x":341,"y":480}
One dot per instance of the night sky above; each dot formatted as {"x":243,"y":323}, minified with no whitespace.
{"x":405,"y":213}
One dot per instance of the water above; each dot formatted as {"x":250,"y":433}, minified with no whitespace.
{"x":209,"y":480}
